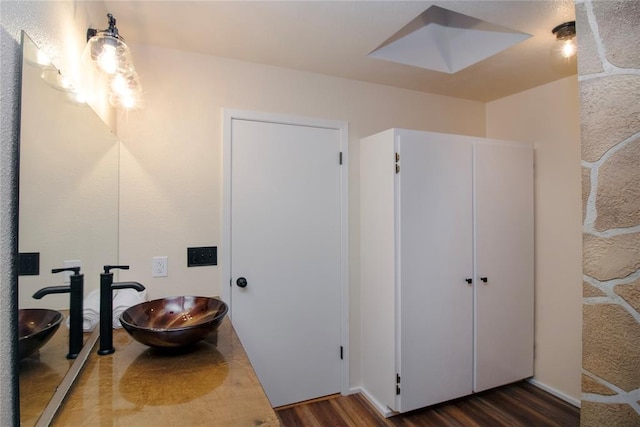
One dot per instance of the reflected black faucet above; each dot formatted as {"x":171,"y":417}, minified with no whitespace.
{"x":75,"y":289}
{"x":106,"y":306}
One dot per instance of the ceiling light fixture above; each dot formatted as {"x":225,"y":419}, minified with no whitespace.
{"x":565,"y":46}
{"x":107,"y":52}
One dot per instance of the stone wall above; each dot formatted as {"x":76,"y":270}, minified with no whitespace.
{"x":609,"y":76}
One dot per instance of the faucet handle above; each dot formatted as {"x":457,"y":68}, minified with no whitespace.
{"x":107,"y":268}
{"x":76,"y":270}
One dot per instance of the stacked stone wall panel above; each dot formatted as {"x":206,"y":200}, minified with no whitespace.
{"x":609,"y":77}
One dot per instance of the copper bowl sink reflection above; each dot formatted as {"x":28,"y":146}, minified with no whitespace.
{"x":36,"y":326}
{"x":173,"y":322}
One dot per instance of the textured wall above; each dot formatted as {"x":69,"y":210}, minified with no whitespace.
{"x":609,"y":75}
{"x":9,"y":67}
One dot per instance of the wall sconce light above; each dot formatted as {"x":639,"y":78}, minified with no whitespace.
{"x":107,"y":52}
{"x":52,"y":77}
{"x":565,"y":46}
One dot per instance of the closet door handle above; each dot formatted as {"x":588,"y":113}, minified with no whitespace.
{"x":484,"y":279}
{"x":469,"y":281}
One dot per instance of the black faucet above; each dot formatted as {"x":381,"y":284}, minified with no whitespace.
{"x":106,"y":306}
{"x":75,"y":289}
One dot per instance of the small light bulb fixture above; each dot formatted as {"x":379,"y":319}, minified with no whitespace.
{"x":107,"y":52}
{"x":565,"y":46}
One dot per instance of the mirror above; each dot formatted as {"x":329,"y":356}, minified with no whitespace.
{"x":68,"y":211}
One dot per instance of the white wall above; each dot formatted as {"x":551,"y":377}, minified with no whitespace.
{"x":68,"y":207}
{"x":547,"y":116}
{"x":171,"y":154}
{"x":59,"y":28}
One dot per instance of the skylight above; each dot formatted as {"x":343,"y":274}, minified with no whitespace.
{"x":446,"y":41}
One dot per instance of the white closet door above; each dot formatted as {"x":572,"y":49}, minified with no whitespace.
{"x":504,"y":256}
{"x":285,"y":241}
{"x":434,"y":223}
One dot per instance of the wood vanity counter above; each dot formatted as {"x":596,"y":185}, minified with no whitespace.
{"x":41,"y":373}
{"x":212,"y":384}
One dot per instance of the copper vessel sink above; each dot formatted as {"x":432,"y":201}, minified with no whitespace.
{"x":173,"y":322}
{"x":36,"y":326}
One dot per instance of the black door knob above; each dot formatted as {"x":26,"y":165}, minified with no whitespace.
{"x":484,"y":279}
{"x":469,"y":281}
{"x":241,"y":282}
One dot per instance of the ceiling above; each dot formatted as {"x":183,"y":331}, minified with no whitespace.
{"x":335,"y":37}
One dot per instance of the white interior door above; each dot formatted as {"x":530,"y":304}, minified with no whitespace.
{"x":436,"y":258}
{"x":286,"y":242}
{"x":504,"y":256}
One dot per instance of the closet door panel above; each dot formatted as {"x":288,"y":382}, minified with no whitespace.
{"x":377,"y":257}
{"x":504,"y":256}
{"x":435,"y":257}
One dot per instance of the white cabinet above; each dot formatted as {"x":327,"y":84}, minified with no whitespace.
{"x":446,"y":266}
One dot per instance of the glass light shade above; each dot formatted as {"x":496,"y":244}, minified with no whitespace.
{"x":565,"y":48}
{"x":564,"y":54}
{"x":569,"y":48}
{"x":126,"y":91}
{"x":53,"y":78}
{"x":109,"y":54}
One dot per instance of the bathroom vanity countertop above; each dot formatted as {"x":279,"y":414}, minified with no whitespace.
{"x":41,"y":373}
{"x":212,"y":384}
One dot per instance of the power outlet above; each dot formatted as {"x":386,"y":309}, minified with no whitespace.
{"x":159,"y":267}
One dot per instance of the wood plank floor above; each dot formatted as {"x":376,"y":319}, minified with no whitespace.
{"x":519,"y":404}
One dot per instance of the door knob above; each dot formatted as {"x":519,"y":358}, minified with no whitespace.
{"x":241,"y":282}
{"x":484,"y":279}
{"x":469,"y":281}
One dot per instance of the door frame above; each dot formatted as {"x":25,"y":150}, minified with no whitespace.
{"x":225,"y":251}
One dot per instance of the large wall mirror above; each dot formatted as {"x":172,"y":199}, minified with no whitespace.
{"x":68,"y":212}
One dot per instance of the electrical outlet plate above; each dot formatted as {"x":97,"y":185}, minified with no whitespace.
{"x":159,"y":267}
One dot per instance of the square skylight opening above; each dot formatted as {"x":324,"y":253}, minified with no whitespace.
{"x":443,"y":40}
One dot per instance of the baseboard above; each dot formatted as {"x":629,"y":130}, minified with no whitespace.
{"x":386,"y":412}
{"x":380,"y":407}
{"x":354,"y":390}
{"x":557,"y":393}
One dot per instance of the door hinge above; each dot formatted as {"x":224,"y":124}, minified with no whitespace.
{"x":229,"y":281}
{"x":397,"y":384}
{"x":341,"y":157}
{"x":397,"y":160}
{"x":397,"y":157}
{"x":341,"y":353}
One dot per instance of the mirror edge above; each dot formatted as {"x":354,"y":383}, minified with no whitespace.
{"x":15,"y":199}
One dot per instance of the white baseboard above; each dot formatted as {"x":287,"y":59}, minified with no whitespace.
{"x":354,"y":390}
{"x":380,"y":407}
{"x":557,"y":393}
{"x":386,"y":412}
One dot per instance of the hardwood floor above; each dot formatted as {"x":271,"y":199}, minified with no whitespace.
{"x":519,"y":404}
